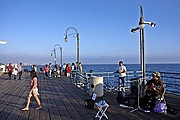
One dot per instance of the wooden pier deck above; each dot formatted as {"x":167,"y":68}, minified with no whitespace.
{"x":64,"y":101}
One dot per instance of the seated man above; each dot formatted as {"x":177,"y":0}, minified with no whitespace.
{"x":154,"y":91}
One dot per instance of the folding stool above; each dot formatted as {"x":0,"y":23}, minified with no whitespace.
{"x":101,"y":110}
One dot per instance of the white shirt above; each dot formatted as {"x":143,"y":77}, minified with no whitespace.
{"x":19,"y":68}
{"x":121,"y":69}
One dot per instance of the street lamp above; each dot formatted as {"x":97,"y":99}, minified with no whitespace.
{"x":77,"y":36}
{"x":60,"y":48}
{"x":141,"y":26}
{"x":3,"y":42}
{"x":54,"y":56}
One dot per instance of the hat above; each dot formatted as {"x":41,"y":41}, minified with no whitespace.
{"x":156,"y":74}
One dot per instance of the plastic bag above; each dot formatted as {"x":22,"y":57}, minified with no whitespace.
{"x":160,"y":107}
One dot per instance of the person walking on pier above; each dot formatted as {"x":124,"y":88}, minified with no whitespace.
{"x":80,"y":67}
{"x":33,"y":91}
{"x":46,"y":70}
{"x":50,"y":69}
{"x":10,"y":69}
{"x":68,"y":70}
{"x":20,"y":70}
{"x":122,"y":73}
{"x":15,"y":72}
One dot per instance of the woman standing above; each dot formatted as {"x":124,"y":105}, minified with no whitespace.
{"x":68,"y":70}
{"x":33,"y":91}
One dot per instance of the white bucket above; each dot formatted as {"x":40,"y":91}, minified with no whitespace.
{"x":96,"y":85}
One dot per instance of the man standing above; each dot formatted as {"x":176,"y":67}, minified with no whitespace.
{"x":10,"y":69}
{"x":50,"y":69}
{"x":122,"y":73}
{"x":20,"y":70}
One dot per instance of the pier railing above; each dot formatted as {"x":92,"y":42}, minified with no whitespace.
{"x":110,"y":79}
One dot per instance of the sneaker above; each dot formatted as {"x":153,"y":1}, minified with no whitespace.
{"x":38,"y":108}
{"x":144,"y":110}
{"x":116,"y":89}
{"x":25,"y":109}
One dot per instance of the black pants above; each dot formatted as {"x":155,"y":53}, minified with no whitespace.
{"x":148,"y":102}
{"x":20,"y":74}
{"x":10,"y":74}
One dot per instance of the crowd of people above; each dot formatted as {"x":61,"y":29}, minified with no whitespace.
{"x":16,"y":69}
{"x":56,"y":71}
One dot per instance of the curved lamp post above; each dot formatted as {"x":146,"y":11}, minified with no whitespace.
{"x":54,"y":56}
{"x":142,"y":51}
{"x":77,"y":36}
{"x":60,"y":48}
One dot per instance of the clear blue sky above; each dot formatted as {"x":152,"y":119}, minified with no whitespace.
{"x":33,"y":27}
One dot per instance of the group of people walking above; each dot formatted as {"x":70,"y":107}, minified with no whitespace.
{"x":49,"y":71}
{"x":16,"y":69}
{"x":67,"y":68}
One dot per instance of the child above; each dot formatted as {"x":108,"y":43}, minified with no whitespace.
{"x":33,"y":91}
{"x":15,"y":73}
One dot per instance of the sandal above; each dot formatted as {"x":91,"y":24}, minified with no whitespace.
{"x":38,"y":108}
{"x":25,"y":109}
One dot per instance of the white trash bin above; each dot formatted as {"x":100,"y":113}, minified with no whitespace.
{"x":96,"y":85}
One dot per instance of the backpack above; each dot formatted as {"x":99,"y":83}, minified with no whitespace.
{"x":89,"y":103}
{"x":160,"y":107}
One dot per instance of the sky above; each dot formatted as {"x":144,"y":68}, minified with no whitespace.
{"x":33,"y":27}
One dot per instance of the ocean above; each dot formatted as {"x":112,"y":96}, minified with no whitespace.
{"x":132,"y":67}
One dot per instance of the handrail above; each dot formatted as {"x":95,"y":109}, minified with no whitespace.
{"x":111,"y":79}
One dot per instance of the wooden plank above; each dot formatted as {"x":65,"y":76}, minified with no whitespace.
{"x":17,"y":104}
{"x":62,"y":100}
{"x":9,"y":99}
{"x":44,"y":113}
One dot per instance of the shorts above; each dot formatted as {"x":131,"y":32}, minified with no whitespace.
{"x":34,"y":92}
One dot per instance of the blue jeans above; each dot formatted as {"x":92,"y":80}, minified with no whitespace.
{"x":121,"y":81}
{"x":46,"y":74}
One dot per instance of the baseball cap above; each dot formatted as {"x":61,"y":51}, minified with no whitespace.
{"x":156,"y":74}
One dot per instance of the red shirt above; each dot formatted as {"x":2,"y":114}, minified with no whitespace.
{"x":10,"y":68}
{"x":68,"y":69}
{"x":46,"y":69}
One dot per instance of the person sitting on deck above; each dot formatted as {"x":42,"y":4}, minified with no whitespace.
{"x":154,"y":91}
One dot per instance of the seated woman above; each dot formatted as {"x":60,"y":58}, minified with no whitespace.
{"x":154,"y":91}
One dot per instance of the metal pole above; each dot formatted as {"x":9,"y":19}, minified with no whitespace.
{"x":143,"y":57}
{"x":61,"y":56}
{"x":54,"y":56}
{"x":78,"y":47}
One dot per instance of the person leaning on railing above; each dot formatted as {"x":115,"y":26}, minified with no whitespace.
{"x":154,"y":91}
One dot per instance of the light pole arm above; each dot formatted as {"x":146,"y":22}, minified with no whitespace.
{"x":60,"y":52}
{"x":69,"y":29}
{"x":78,"y":43}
